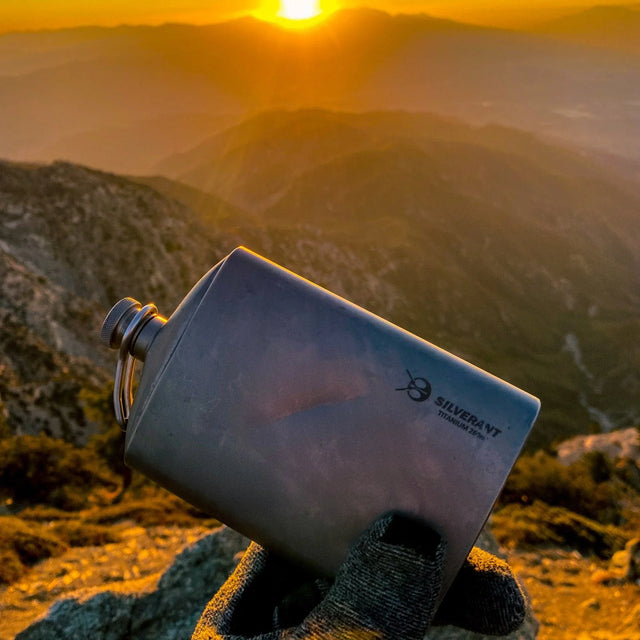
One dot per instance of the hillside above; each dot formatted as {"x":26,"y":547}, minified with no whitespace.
{"x":136,"y":147}
{"x":114,"y":586}
{"x":487,"y":240}
{"x":518,"y":256}
{"x":72,"y":241}
{"x":69,"y":93}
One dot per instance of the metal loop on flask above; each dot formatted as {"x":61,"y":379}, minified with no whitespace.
{"x":123,"y":387}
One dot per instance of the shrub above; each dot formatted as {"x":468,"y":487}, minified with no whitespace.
{"x":23,"y":545}
{"x":541,"y":525}
{"x":5,"y":430}
{"x":582,"y":487}
{"x":41,"y":469}
{"x":109,"y":442}
{"x":153,"y":506}
{"x":71,"y":528}
{"x":596,"y":465}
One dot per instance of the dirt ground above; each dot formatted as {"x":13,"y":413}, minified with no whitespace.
{"x":569,"y":605}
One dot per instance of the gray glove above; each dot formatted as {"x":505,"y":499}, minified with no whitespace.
{"x":386,"y":589}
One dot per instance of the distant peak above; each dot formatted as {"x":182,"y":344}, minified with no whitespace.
{"x":591,"y":15}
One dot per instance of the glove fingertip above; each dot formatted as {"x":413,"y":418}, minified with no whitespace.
{"x":402,"y":530}
{"x":389,"y":581}
{"x":495,"y":603}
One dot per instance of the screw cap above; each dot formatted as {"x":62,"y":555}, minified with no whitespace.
{"x":109,"y":334}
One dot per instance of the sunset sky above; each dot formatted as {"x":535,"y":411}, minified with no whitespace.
{"x":17,"y":15}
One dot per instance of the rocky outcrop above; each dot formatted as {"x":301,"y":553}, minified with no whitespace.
{"x":622,"y":444}
{"x":628,"y":561}
{"x":171,"y":611}
{"x":81,"y":239}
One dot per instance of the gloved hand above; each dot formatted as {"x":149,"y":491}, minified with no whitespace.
{"x":386,"y":589}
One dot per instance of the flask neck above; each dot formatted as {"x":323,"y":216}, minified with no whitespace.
{"x":131,"y":329}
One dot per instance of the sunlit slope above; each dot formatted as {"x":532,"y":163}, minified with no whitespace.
{"x":255,"y":160}
{"x":61,"y":89}
{"x":72,"y":242}
{"x":511,"y":284}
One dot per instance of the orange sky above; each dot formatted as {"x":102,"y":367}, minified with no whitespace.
{"x":49,"y":14}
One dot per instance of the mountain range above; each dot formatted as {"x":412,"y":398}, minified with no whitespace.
{"x":125,"y":98}
{"x":515,"y":254}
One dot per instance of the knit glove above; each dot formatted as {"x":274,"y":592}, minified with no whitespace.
{"x":386,"y":589}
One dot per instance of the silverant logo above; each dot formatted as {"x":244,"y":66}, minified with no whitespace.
{"x":418,"y":389}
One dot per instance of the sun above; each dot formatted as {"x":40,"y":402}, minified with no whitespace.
{"x":299,"y":9}
{"x":296,"y":14}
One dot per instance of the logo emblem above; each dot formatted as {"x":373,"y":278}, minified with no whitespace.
{"x":418,"y":389}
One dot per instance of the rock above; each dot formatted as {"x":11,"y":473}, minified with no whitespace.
{"x":624,"y":444}
{"x":106,"y":616}
{"x":184,"y":590}
{"x":624,"y":566}
{"x":606,"y":577}
{"x":171,"y":611}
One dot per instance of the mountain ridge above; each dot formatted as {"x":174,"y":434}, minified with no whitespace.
{"x":355,"y":61}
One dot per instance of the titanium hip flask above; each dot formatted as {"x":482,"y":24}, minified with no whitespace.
{"x":297,"y":417}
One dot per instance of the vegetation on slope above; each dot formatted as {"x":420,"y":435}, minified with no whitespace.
{"x":591,"y":505}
